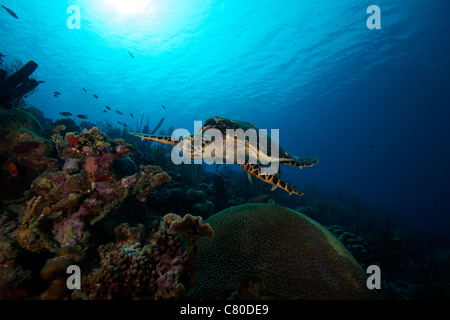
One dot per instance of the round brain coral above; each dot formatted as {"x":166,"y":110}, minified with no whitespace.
{"x":293,"y":256}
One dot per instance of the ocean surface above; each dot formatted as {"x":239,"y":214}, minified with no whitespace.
{"x":371,"y":104}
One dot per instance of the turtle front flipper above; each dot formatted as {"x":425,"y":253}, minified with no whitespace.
{"x":275,"y":180}
{"x":162,"y":139}
{"x":300,"y":162}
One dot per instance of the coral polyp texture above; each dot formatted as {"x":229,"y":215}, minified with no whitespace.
{"x":68,"y":202}
{"x":281,"y":252}
{"x":155,"y":267}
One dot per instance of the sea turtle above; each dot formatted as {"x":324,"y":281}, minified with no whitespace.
{"x":260,"y":151}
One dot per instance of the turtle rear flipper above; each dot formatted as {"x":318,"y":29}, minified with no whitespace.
{"x":300,"y":162}
{"x":161,"y":139}
{"x":275,"y":179}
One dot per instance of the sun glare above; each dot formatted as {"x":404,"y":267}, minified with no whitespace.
{"x":130,"y":6}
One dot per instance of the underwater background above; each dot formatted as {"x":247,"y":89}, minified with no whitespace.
{"x":371,"y":105}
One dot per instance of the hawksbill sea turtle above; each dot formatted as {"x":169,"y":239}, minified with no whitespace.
{"x":257,"y":150}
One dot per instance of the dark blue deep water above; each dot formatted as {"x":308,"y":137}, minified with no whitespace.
{"x":372,"y":105}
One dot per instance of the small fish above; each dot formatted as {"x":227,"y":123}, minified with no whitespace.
{"x":119,"y":122}
{"x":130,"y":54}
{"x":12,"y":168}
{"x":41,"y":81}
{"x":124,"y":125}
{"x":2,"y":55}
{"x":131,"y":115}
{"x":108,"y":108}
{"x":82,"y":116}
{"x":163,"y":107}
{"x":118,"y":112}
{"x":84,"y":90}
{"x":10,"y":12}
{"x":57,"y":93}
{"x":65,"y":114}
{"x":104,"y":111}
{"x":95,"y":96}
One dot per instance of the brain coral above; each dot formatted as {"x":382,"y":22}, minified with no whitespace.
{"x":292,"y":255}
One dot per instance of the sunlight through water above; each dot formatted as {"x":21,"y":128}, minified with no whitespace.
{"x":130,"y":6}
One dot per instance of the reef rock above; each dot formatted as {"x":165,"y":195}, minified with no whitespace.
{"x":23,"y":153}
{"x":196,"y":203}
{"x":69,"y":125}
{"x":13,"y":119}
{"x":68,"y":202}
{"x":13,"y":276}
{"x":123,"y":167}
{"x":158,"y":267}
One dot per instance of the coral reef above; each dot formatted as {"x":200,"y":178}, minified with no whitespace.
{"x":159,"y":267}
{"x":68,"y":202}
{"x":356,"y":245}
{"x":13,"y":277}
{"x":62,"y":127}
{"x":23,"y":153}
{"x":292,"y":255}
{"x":46,"y":123}
{"x":15,"y":119}
{"x":197,"y":203}
{"x":82,"y":198}
{"x":189,"y":226}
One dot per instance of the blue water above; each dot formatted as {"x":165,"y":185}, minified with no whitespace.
{"x":372,"y":105}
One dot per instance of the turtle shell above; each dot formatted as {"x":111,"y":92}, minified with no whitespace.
{"x":222,"y":124}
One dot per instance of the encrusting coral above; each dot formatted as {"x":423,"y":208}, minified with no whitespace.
{"x":156,"y":267}
{"x":68,"y":202}
{"x":288,"y":254}
{"x":190,"y":226}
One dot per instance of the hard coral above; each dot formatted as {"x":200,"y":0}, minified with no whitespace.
{"x":159,"y":267}
{"x":151,"y":177}
{"x":134,"y":270}
{"x":69,"y":202}
{"x":192,"y":227}
{"x":293,"y":256}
